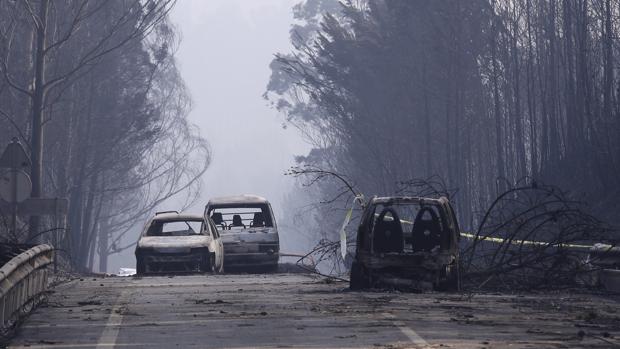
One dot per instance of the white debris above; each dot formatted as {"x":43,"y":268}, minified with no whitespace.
{"x":126,"y":272}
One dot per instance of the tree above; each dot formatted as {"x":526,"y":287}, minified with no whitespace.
{"x":481,"y":93}
{"x":54,"y":26}
{"x":113,"y":111}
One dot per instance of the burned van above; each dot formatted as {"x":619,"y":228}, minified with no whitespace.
{"x":408,"y":243}
{"x":248,"y":231}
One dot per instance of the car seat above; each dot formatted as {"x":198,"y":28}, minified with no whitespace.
{"x":258,"y":220}
{"x":218,"y":219}
{"x":426,"y":232}
{"x":237,"y":222}
{"x":388,"y":234}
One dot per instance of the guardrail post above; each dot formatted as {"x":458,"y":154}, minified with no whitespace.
{"x":22,"y":297}
{"x":2,"y":314}
{"x":28,"y":287}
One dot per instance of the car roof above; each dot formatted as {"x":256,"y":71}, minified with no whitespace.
{"x":407,"y":200}
{"x":238,"y":199}
{"x":171,"y":216}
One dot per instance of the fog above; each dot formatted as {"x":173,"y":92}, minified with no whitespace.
{"x":224,"y":55}
{"x":224,"y":59}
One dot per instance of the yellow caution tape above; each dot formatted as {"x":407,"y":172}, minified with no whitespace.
{"x":522,"y":242}
{"x":502,"y":240}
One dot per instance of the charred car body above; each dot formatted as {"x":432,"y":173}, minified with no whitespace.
{"x":407,"y":242}
{"x":173,"y":242}
{"x":248,"y":230}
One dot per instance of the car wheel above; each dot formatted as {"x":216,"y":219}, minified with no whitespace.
{"x":140,"y":266}
{"x":358,"y":279}
{"x":448,"y":279}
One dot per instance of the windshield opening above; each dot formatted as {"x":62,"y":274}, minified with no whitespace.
{"x":174,"y":228}
{"x":241,"y":217}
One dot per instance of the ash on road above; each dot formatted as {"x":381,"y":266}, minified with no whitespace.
{"x":285,"y":310}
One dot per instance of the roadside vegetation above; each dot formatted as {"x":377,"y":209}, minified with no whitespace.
{"x":91,"y":89}
{"x":515,"y":101}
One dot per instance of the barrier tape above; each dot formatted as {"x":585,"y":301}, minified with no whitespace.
{"x":515,"y":242}
{"x":522,"y":242}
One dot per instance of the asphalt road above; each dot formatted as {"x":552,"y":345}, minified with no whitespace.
{"x":282,"y":311}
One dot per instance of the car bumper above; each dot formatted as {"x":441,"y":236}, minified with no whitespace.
{"x":250,"y":254}
{"x":172,"y":262}
{"x":250,"y":259}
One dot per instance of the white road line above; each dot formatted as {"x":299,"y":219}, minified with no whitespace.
{"x":113,"y":326}
{"x":413,"y":336}
{"x":80,"y":345}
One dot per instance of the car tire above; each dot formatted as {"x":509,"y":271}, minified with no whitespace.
{"x":140,"y":266}
{"x":358,"y":279}
{"x":448,"y":280}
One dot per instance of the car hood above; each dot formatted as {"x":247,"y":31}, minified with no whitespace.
{"x":174,"y":242}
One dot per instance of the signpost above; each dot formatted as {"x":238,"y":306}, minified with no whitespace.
{"x":15,"y":156}
{"x":15,"y":184}
{"x":15,"y":189}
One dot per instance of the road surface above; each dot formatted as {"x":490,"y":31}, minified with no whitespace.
{"x":301,"y":311}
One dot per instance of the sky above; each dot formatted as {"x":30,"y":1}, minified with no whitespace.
{"x":224,"y":58}
{"x":224,"y":55}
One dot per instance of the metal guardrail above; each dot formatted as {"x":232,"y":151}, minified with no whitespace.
{"x":23,"y":278}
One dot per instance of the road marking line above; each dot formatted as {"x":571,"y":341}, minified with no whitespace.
{"x":113,"y":326}
{"x":413,"y":336}
{"x":80,"y":345}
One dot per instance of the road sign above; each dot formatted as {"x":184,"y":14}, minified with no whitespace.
{"x":15,"y":156}
{"x":15,"y":185}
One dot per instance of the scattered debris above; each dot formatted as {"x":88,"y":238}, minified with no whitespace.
{"x":126,"y":272}
{"x":206,"y":301}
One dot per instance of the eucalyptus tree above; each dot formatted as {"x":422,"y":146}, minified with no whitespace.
{"x":482,"y":93}
{"x":93,"y":90}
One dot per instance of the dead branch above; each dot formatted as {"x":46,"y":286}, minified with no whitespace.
{"x":532,"y":236}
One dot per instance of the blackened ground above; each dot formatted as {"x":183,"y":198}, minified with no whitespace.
{"x":285,"y":310}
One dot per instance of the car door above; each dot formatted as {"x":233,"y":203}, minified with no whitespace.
{"x":219,"y":253}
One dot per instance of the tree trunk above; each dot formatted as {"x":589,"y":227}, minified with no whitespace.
{"x":499,"y":136}
{"x":103,"y":245}
{"x":38,"y":97}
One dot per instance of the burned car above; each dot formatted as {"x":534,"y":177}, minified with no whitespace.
{"x":407,"y":243}
{"x":248,"y":231}
{"x":177,"y":242}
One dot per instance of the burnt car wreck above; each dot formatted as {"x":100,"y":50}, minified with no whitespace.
{"x":407,"y":243}
{"x":248,"y":230}
{"x":173,"y":242}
